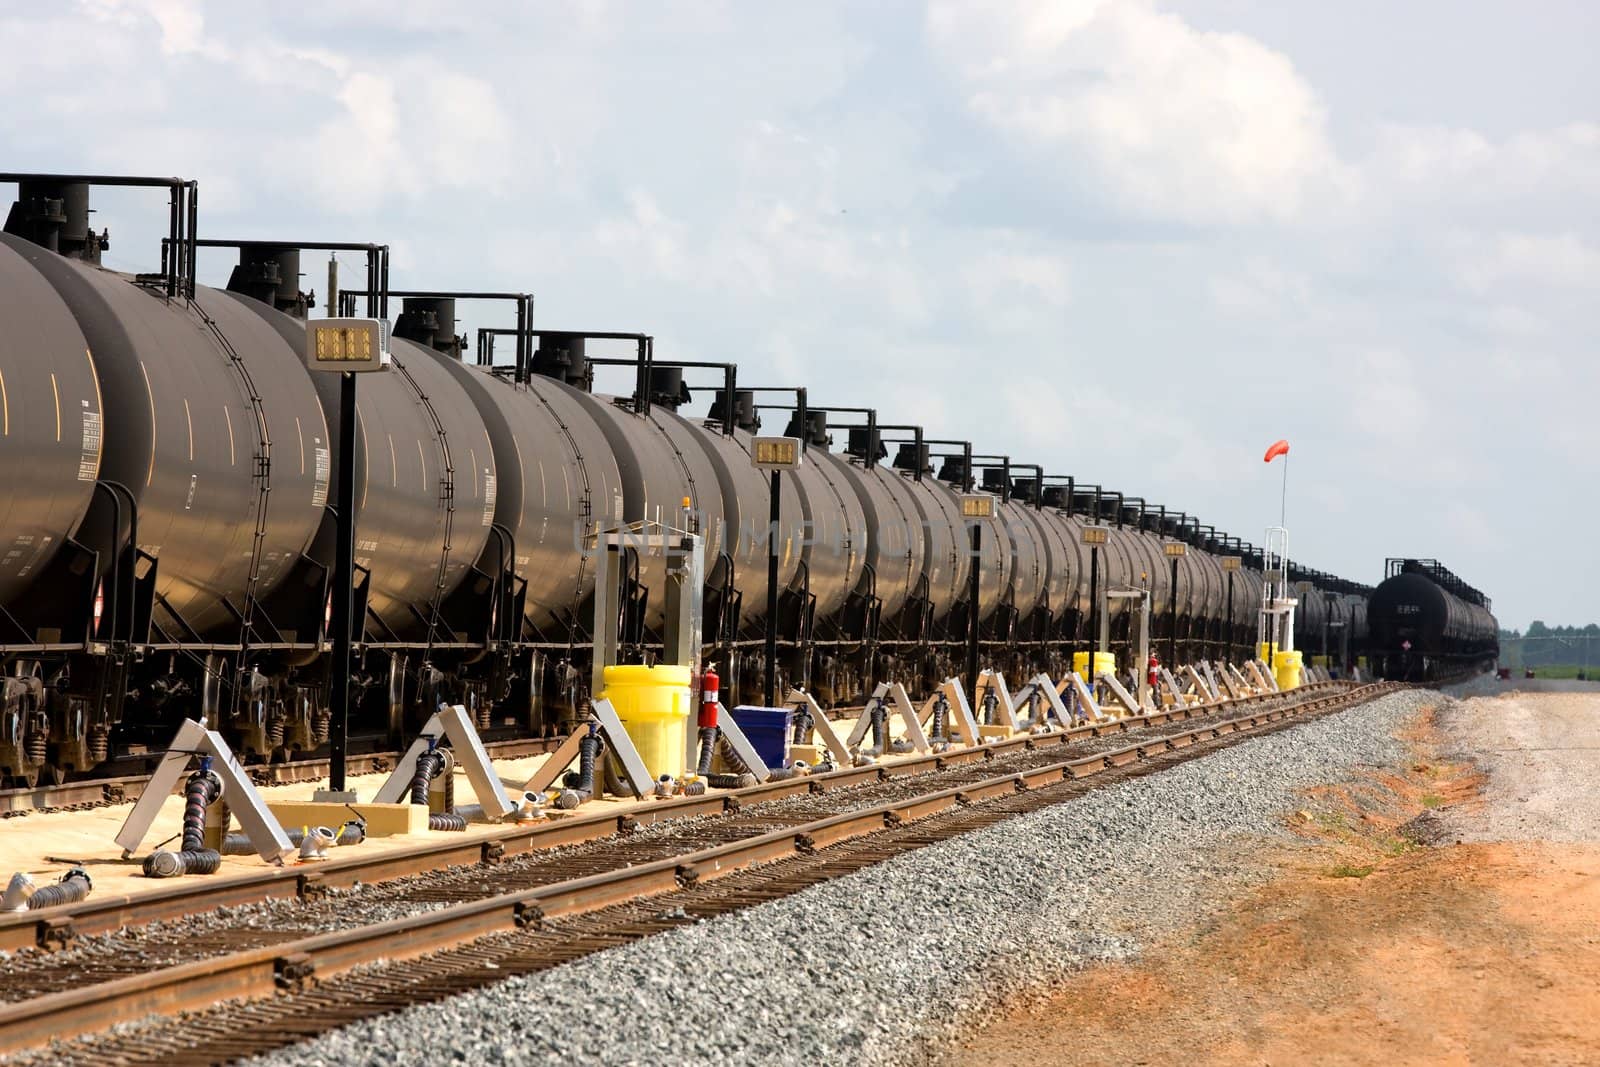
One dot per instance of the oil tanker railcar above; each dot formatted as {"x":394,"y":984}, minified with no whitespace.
{"x":1428,"y":625}
{"x":166,"y":533}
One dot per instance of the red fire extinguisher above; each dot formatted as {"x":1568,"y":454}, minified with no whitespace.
{"x":1155,"y":671}
{"x":710,"y":693}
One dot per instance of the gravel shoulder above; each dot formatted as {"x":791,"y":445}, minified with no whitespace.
{"x":1541,"y":753}
{"x":1446,"y":910}
{"x":886,"y":966}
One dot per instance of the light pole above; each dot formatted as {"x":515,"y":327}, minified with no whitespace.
{"x":975,"y":507}
{"x":346,"y":347}
{"x":1175,"y":551}
{"x":776,"y":455}
{"x":1230,"y":565}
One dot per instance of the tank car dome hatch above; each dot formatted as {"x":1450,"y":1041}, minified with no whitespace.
{"x":911,"y":457}
{"x":745,"y":416}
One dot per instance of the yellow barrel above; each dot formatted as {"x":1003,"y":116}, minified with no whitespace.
{"x":1104,"y":662}
{"x":653,"y":704}
{"x":1319,"y":661}
{"x":1286,"y":665}
{"x":1265,"y":652}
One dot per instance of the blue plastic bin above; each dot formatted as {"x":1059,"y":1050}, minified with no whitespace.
{"x":768,"y":731}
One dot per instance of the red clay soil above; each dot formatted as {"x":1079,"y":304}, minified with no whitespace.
{"x":1367,"y":949}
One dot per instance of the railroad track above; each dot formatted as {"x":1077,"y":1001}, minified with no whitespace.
{"x":58,"y":927}
{"x":103,"y":792}
{"x":500,"y":922}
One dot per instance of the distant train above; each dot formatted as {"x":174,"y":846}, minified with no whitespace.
{"x":1428,"y":625}
{"x":166,"y":523}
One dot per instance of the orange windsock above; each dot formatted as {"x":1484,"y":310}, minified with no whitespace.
{"x":1279,"y":448}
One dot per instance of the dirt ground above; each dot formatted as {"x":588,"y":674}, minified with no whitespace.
{"x":1384,"y":940}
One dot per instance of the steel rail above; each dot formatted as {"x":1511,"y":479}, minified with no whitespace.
{"x":59,"y":926}
{"x":293,"y":965}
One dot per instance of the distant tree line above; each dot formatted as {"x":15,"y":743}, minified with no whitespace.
{"x":1545,"y":646}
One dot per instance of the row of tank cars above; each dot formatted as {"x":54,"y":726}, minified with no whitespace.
{"x":166,"y":537}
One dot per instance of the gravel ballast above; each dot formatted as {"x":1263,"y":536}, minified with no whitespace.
{"x":881,"y":966}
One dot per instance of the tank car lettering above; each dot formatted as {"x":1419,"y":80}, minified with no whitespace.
{"x":488,"y":497}
{"x":319,"y":488}
{"x":1408,"y":609}
{"x":39,"y":552}
{"x":188,"y":503}
{"x":89,"y":461}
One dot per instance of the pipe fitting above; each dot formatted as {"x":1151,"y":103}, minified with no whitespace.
{"x":18,"y":892}
{"x":532,"y":807}
{"x":314,"y":843}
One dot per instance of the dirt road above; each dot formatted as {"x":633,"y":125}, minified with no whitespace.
{"x":1445,"y":912}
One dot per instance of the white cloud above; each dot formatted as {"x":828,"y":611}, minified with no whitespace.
{"x":1175,"y":123}
{"x":1545,"y":260}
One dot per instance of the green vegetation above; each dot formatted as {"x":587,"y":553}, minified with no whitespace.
{"x":1345,"y":870}
{"x":1553,"y":651}
{"x":1431,"y":800}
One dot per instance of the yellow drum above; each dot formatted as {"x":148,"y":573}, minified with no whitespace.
{"x":653,"y":704}
{"x":1286,"y":665}
{"x":1104,"y":662}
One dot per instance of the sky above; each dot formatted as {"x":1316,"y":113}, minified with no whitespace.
{"x":1135,"y":241}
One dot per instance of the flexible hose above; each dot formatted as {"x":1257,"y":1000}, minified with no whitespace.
{"x":447,"y":821}
{"x":880,"y":718}
{"x":352,"y":833}
{"x":429,"y":766}
{"x":708,"y":750}
{"x":580,"y":787}
{"x":202,"y":788}
{"x":73,"y":887}
{"x":941,"y":713}
{"x":802,"y":724}
{"x":732,"y":781}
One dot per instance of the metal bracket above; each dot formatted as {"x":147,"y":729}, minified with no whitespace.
{"x":1086,"y":699}
{"x":822,"y":727}
{"x":1263,"y":675}
{"x":1050,"y":692}
{"x":964,"y":722}
{"x":1128,"y":701}
{"x":453,"y":724}
{"x":634,"y":772}
{"x":1238,"y":686}
{"x":741,"y":744}
{"x":1173,"y":687}
{"x":193,"y":739}
{"x":993,"y":680}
